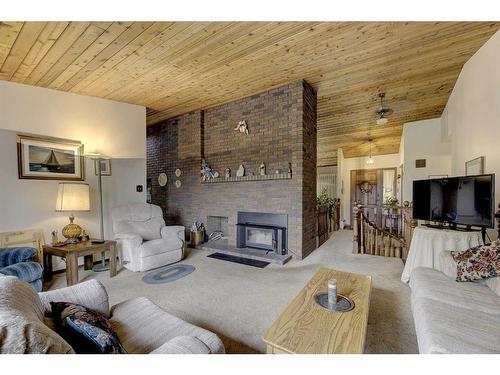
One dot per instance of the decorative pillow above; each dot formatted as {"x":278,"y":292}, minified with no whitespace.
{"x":478,"y":263}
{"x":87,"y":331}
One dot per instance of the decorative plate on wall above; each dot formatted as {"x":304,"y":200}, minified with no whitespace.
{"x":178,"y":172}
{"x":162,"y":179}
{"x":178,"y":184}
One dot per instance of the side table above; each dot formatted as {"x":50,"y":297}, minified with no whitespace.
{"x":72,"y":252}
{"x":427,"y":243}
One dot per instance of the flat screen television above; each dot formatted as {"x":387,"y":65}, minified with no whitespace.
{"x":466,"y":200}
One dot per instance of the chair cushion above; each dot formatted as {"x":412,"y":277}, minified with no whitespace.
{"x":12,"y":255}
{"x":160,"y":246}
{"x":143,"y":327}
{"x":136,"y":212}
{"x":143,"y":219}
{"x":148,"y":230}
{"x":436,"y":286}
{"x":87,"y":331}
{"x":22,"y":328}
{"x":445,"y":328}
{"x":90,"y":293}
{"x":27,"y":271}
{"x":183,"y":345}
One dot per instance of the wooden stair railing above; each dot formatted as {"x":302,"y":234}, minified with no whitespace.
{"x":326,"y":224}
{"x":390,"y":238}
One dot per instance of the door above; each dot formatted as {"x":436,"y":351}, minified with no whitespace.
{"x":372,"y":188}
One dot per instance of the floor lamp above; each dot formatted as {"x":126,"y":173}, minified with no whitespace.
{"x":103,"y":266}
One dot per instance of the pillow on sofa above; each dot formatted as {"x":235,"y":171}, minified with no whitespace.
{"x":480,"y":262}
{"x":87,"y":331}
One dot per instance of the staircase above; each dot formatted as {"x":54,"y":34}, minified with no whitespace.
{"x":386,"y":233}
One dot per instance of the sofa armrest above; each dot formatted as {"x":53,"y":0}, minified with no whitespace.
{"x":132,"y":238}
{"x":13,"y":255}
{"x":174,"y":231}
{"x":183,"y":345}
{"x":90,"y":294}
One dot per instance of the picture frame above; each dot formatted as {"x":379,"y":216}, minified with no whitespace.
{"x":47,"y":158}
{"x":475,"y":166}
{"x":105,"y":167}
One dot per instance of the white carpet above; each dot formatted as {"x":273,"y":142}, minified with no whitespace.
{"x":240,"y":302}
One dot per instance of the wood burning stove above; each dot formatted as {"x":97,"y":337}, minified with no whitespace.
{"x":267,"y":234}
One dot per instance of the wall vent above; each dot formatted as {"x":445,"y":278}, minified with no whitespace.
{"x":420,"y":163}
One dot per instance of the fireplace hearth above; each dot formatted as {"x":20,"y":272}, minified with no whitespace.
{"x":262,"y":231}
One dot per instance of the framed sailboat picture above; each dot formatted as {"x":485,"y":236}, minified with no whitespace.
{"x":43,"y":158}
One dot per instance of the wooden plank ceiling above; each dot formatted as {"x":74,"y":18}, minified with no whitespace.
{"x":176,"y":67}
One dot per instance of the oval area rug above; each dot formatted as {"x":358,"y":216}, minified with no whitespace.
{"x":168,"y":274}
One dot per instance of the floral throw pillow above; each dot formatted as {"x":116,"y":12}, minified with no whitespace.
{"x":480,"y":262}
{"x":87,"y":331}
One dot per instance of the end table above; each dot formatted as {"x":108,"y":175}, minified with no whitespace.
{"x":72,"y":252}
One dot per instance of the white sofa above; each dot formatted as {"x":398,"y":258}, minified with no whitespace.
{"x":141,"y":326}
{"x":144,"y":242}
{"x":454,"y":317}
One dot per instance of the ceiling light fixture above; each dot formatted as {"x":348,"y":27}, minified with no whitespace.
{"x":382,"y":111}
{"x":370,"y":160}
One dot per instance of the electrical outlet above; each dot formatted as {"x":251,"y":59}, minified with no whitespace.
{"x":138,"y":188}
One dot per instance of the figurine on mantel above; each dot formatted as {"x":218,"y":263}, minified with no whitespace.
{"x":262,"y":169}
{"x":228,"y":172}
{"x":206,"y":172}
{"x":241,"y":171}
{"x":242,"y":127}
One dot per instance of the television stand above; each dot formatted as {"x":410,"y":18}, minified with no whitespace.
{"x":467,"y":228}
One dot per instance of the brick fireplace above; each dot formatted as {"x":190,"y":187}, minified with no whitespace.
{"x":282,"y":132}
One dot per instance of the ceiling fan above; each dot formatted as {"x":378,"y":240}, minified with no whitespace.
{"x":382,"y":111}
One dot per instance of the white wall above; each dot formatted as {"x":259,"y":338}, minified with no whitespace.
{"x":340,"y":183}
{"x":424,"y":139}
{"x":349,"y":164}
{"x":115,"y":129}
{"x":472,"y":113}
{"x":112,"y":128}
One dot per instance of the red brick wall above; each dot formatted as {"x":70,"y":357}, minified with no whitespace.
{"x":282,"y":127}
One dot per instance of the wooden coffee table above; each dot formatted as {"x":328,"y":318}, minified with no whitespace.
{"x":72,"y":252}
{"x":307,"y":328}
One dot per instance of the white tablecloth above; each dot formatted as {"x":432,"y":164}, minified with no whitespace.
{"x":427,"y":243}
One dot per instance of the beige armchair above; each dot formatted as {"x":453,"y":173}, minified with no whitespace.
{"x":144,"y":242}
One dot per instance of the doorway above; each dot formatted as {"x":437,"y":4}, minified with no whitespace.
{"x":372,"y":187}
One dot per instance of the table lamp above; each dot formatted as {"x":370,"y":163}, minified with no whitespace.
{"x":72,"y":197}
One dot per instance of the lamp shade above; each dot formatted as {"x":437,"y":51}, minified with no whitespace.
{"x":73,"y":197}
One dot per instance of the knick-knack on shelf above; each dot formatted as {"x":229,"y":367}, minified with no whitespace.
{"x":241,"y":171}
{"x":262,"y":169}
{"x":228,"y":172}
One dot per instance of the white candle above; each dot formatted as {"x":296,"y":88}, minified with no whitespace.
{"x":332,"y":292}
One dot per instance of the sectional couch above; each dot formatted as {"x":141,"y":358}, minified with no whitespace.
{"x":454,"y":317}
{"x":141,"y":326}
